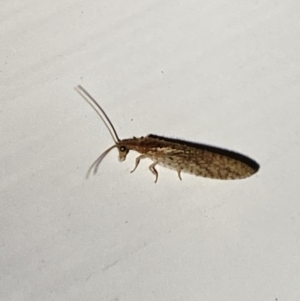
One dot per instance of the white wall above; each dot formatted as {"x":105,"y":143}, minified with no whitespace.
{"x":217,"y":72}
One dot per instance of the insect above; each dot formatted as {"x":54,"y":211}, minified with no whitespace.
{"x":179,"y":155}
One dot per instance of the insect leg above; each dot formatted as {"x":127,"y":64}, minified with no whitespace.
{"x":154,"y":171}
{"x":137,"y":161}
{"x":179,"y":171}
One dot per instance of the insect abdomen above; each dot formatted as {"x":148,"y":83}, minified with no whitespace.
{"x":202,"y":160}
{"x":216,"y":168}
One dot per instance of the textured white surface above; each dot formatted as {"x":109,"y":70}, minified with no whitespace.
{"x":218,"y":72}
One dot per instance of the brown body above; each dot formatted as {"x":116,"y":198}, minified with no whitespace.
{"x":198,"y":159}
{"x":179,"y":155}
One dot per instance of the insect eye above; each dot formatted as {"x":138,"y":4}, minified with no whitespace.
{"x":122,"y":148}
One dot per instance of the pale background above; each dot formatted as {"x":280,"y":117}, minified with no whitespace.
{"x":226,"y":73}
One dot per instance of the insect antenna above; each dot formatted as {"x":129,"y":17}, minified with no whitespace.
{"x":89,"y":99}
{"x":96,"y":164}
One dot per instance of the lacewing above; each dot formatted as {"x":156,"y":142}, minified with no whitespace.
{"x":179,"y":155}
